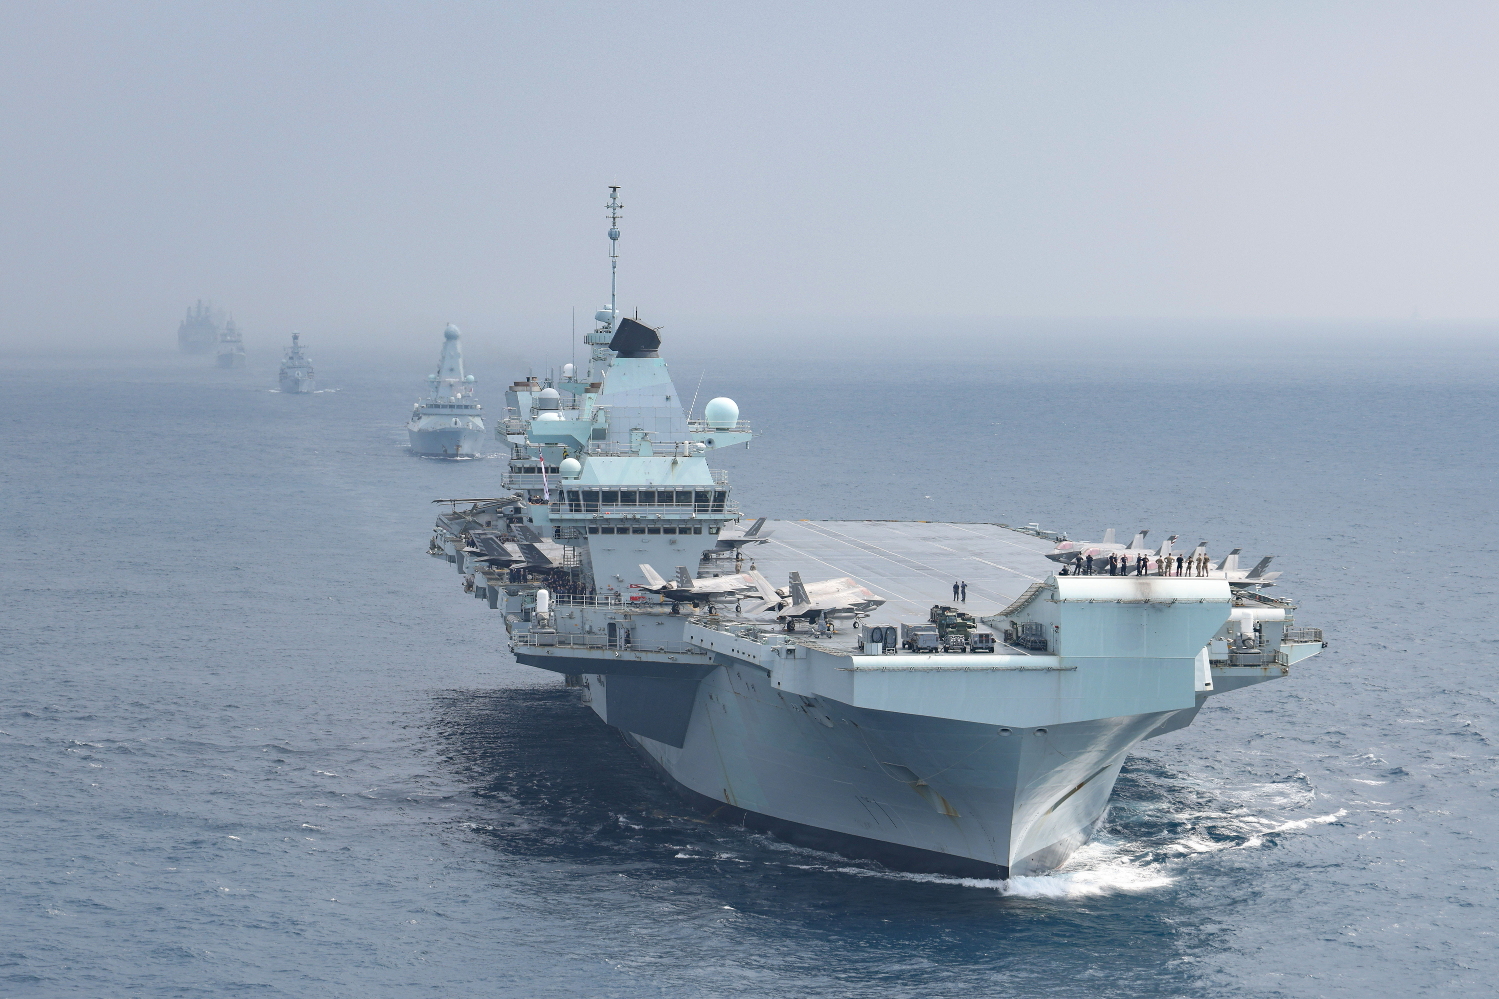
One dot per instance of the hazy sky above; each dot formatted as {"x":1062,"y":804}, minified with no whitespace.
{"x":378,"y":169}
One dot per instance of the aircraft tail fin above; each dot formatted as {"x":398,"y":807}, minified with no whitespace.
{"x":762,"y":586}
{"x":1108,"y":537}
{"x":1260,"y":567}
{"x":1138,"y":542}
{"x":1166,"y":546}
{"x":652,"y":576}
{"x":1230,"y":561}
{"x":1200,"y":550}
{"x":755,"y":528}
{"x":683,"y":579}
{"x":799,"y":590}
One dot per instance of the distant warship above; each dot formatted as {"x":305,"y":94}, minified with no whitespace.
{"x":199,"y":332}
{"x":447,"y":424}
{"x":296,"y":369}
{"x":231,"y":347}
{"x":872,"y":714}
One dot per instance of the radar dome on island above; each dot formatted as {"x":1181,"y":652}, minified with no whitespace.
{"x":570,"y":468}
{"x":451,"y":333}
{"x":721,"y":413}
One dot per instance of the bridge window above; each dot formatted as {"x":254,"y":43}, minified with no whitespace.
{"x":610,"y":497}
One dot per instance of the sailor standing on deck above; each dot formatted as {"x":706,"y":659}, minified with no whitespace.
{"x":955,"y":588}
{"x":965,"y":591}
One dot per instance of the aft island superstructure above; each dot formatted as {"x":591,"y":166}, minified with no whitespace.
{"x":827,"y":681}
{"x":297,"y":375}
{"x":447,"y":423}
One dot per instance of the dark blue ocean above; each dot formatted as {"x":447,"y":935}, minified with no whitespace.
{"x":254,"y":742}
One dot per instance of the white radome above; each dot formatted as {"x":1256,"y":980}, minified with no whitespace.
{"x":721,"y":413}
{"x":570,"y":468}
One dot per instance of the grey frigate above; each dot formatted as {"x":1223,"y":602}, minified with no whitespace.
{"x":448,"y":422}
{"x":297,"y":375}
{"x":231,"y":346}
{"x":826,"y":681}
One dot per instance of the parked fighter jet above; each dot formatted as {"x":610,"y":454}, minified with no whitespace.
{"x":486,"y":547}
{"x":1073,"y":551}
{"x":686,"y":589}
{"x":733,"y":542}
{"x":828,"y":598}
{"x":1254,"y":577}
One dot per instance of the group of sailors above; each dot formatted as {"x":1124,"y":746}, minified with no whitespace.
{"x":1196,"y":564}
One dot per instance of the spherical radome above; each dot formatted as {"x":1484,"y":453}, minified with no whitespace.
{"x":570,"y":468}
{"x":721,"y":413}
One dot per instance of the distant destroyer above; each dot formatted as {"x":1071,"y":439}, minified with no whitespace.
{"x":231,"y":346}
{"x":447,"y":423}
{"x":297,"y":375}
{"x":817,"y":679}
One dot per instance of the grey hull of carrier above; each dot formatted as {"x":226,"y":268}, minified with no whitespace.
{"x":817,"y":679}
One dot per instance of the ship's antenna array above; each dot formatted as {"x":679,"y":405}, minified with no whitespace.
{"x":614,"y":216}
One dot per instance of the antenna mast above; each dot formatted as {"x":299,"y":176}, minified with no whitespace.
{"x":614,"y":216}
{"x":601,"y":337}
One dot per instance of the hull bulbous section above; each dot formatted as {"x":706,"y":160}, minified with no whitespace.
{"x":456,"y":442}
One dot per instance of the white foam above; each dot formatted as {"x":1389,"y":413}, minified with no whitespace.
{"x":1295,"y":825}
{"x":1099,"y":868}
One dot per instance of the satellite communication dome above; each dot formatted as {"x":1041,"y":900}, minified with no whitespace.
{"x":570,"y":468}
{"x":604,"y":315}
{"x":451,"y":333}
{"x":567,"y":370}
{"x":549,"y":415}
{"x":721,"y":413}
{"x":469,"y":379}
{"x":549,"y":398}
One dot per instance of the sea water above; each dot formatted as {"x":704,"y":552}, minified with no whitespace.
{"x":254,"y":742}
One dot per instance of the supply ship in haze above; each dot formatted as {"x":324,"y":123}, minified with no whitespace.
{"x":296,"y":369}
{"x":448,"y":424}
{"x":198,"y":333}
{"x":825,"y":680}
{"x":231,"y":346}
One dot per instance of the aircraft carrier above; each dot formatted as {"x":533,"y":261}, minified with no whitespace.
{"x":447,"y":423}
{"x":836,"y":683}
{"x":297,"y":375}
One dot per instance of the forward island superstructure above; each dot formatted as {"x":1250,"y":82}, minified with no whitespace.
{"x":828,"y":681}
{"x":297,"y":375}
{"x":448,"y":422}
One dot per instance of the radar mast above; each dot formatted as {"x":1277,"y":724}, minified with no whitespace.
{"x":599,"y":339}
